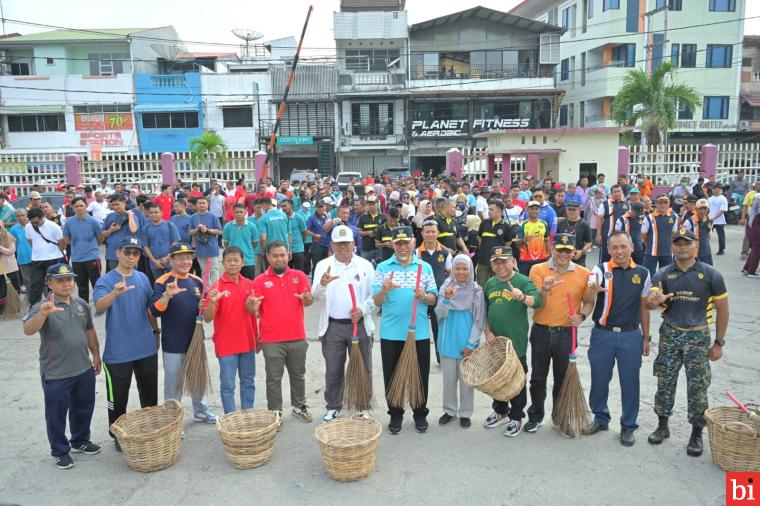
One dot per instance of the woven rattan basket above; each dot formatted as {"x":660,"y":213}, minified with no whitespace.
{"x":734,"y":438}
{"x":150,"y":438}
{"x":248,"y":436}
{"x":495,"y":370}
{"x":349,"y":447}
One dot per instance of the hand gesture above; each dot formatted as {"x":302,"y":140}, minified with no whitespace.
{"x":515,"y":293}
{"x":356,"y":315}
{"x":214,"y":295}
{"x":173,"y":289}
{"x":549,"y":283}
{"x":253,"y":302}
{"x":114,"y":228}
{"x":49,"y":306}
{"x":594,"y":287}
{"x":420,"y":293}
{"x":450,"y":291}
{"x":388,"y":284}
{"x":658,"y":296}
{"x":122,"y":286}
{"x":304,"y":297}
{"x":327,"y":278}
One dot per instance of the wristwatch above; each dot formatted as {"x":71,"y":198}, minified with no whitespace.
{"x":720,"y":342}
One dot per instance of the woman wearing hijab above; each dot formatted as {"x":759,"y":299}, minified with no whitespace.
{"x":8,"y":261}
{"x":461,"y":315}
{"x":753,"y":236}
{"x":424,"y":213}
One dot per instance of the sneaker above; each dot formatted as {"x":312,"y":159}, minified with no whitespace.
{"x":594,"y":428}
{"x":465,"y":423}
{"x":532,"y":427}
{"x":421,"y":425}
{"x":88,"y":448}
{"x":303,"y":414}
{"x":721,"y":253}
{"x":744,"y":271}
{"x":64,"y":462}
{"x":753,"y":275}
{"x":394,"y":426}
{"x":365,"y":414}
{"x":205,"y":416}
{"x":494,"y":420}
{"x":514,"y":427}
{"x":331,"y":415}
{"x":116,"y":445}
{"x":445,"y":419}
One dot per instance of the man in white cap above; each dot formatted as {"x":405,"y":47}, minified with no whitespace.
{"x":333,"y":278}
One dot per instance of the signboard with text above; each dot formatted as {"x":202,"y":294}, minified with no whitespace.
{"x":295,"y":139}
{"x":102,"y":138}
{"x":103,"y":121}
{"x":464,"y":127}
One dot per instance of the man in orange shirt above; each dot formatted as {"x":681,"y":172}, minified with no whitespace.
{"x":551,"y":334}
{"x":645,"y":185}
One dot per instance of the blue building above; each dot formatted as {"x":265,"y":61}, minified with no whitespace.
{"x":167,"y":110}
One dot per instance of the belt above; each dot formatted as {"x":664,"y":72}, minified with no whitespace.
{"x":552,"y":329}
{"x":346,"y":321}
{"x":686,"y":329}
{"x":621,"y":328}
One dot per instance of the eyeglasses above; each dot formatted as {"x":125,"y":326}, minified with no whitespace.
{"x":130,"y":252}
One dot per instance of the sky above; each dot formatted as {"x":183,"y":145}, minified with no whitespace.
{"x":205,"y":21}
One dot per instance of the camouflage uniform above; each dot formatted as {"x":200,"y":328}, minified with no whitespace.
{"x":690,"y":348}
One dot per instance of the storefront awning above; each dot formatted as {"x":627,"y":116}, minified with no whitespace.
{"x":175,"y":107}
{"x":752,"y":100}
{"x":32,"y":109}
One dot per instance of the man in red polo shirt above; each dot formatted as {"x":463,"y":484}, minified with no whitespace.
{"x":281,"y":295}
{"x":231,"y":303}
{"x":165,"y":201}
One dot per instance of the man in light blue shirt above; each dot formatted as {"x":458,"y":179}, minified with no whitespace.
{"x":297,"y":234}
{"x":205,"y":230}
{"x":83,"y":232}
{"x":273,"y":226}
{"x":243,"y":233}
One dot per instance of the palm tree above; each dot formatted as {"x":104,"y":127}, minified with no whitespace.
{"x":654,"y":101}
{"x":207,"y":148}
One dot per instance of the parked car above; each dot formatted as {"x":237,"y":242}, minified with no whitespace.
{"x":392,"y":174}
{"x":297,"y":176}
{"x":55,"y":199}
{"x":344,"y":177}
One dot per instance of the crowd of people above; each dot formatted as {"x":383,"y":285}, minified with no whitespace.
{"x":475,"y":254}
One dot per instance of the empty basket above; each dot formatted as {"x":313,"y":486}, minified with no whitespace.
{"x":495,"y":370}
{"x":349,"y":447}
{"x":248,"y":436}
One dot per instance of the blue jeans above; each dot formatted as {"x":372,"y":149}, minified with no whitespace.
{"x":74,"y":397}
{"x":605,"y":348}
{"x":243,"y":365}
{"x":650,"y":262}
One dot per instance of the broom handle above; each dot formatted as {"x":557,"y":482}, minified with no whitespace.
{"x":738,"y":403}
{"x":353,"y":308}
{"x":571,"y":309}
{"x":204,"y":291}
{"x":416,"y":287}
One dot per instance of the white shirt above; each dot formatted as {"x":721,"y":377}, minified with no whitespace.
{"x":335,"y":298}
{"x":514,"y":214}
{"x":42,"y":249}
{"x":481,"y":207}
{"x":98,"y":210}
{"x":718,"y":204}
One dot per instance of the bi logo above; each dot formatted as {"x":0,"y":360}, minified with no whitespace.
{"x":742,"y":489}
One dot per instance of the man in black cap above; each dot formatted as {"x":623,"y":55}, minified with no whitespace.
{"x":576,"y":226}
{"x":689,"y":291}
{"x":688,"y":213}
{"x":68,"y":338}
{"x":175,"y":299}
{"x":493,"y":232}
{"x":124,"y":294}
{"x":369,"y":223}
{"x":631,"y":223}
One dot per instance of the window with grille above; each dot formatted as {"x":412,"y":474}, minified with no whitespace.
{"x":187,"y":119}
{"x":37,"y":123}
{"x":372,"y":119}
{"x":108,"y":64}
{"x":237,"y":117}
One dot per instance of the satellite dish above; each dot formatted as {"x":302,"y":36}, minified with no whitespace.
{"x":248,"y":36}
{"x":168,"y":52}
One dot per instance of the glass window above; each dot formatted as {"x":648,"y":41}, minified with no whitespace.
{"x":719,"y":55}
{"x":416,"y":62}
{"x":14,"y":124}
{"x":590,"y":9}
{"x":564,"y":70}
{"x":632,"y":16}
{"x":563,"y":115}
{"x":610,"y":4}
{"x":684,"y":113}
{"x":566,"y":18}
{"x":674,"y":54}
{"x":715,"y":108}
{"x":372,"y":119}
{"x":688,"y":55}
{"x":723,"y":5}
{"x":20,"y":69}
{"x":37,"y":123}
{"x":191,"y":120}
{"x":675,"y":5}
{"x":237,"y":117}
{"x":624,"y":55}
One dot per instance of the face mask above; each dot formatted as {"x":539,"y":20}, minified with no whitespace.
{"x":278,"y":270}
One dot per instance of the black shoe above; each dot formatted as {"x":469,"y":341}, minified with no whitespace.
{"x":531,"y":426}
{"x":394,"y":426}
{"x":626,"y":437}
{"x":116,"y":445}
{"x":88,"y":448}
{"x":694,"y":448}
{"x":465,"y":423}
{"x":64,"y":462}
{"x":594,"y":428}
{"x":421,"y":425}
{"x":445,"y":419}
{"x":721,"y":253}
{"x":661,"y":433}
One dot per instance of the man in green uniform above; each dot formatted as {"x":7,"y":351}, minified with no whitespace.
{"x":508,"y":296}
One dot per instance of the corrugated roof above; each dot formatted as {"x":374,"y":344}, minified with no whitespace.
{"x":311,"y":82}
{"x":169,"y":107}
{"x":486,"y":14}
{"x":75,"y":35}
{"x":32,"y":109}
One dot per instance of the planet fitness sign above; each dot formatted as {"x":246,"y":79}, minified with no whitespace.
{"x":460,"y":127}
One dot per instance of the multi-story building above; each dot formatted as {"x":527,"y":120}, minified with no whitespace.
{"x":749,"y":113}
{"x":603,"y":39}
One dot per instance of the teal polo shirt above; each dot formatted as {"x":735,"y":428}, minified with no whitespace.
{"x":242,"y":236}
{"x":275,"y":226}
{"x":297,"y":227}
{"x":253,"y":219}
{"x":396,"y":309}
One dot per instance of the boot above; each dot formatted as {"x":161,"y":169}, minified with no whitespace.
{"x":694,"y":448}
{"x":661,"y":433}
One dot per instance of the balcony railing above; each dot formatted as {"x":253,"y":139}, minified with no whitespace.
{"x":478,"y":72}
{"x":372,"y":129}
{"x":597,"y":118}
{"x":168,"y":80}
{"x":314,"y":128}
{"x":372,"y":79}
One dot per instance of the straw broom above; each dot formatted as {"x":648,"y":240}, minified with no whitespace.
{"x":751,"y":415}
{"x":13,"y":306}
{"x":571,"y":414}
{"x":194,"y":379}
{"x":357,"y":385}
{"x":406,"y":382}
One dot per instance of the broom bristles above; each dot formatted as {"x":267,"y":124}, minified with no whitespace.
{"x":195,"y":379}
{"x":13,"y":306}
{"x":571,"y":414}
{"x":406,"y":382}
{"x":357,"y":385}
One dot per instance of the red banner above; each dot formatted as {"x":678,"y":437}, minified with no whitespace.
{"x":103,"y":121}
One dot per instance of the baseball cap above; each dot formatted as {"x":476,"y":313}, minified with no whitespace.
{"x":634,"y":190}
{"x":564,"y":241}
{"x":178,"y":248}
{"x":684,"y":234}
{"x":59,"y":271}
{"x":328,"y":200}
{"x":371,"y":198}
{"x":369,"y":189}
{"x":637,"y":207}
{"x":341,"y":233}
{"x":534,"y":203}
{"x":306,"y":205}
{"x":35,"y":195}
{"x":702,"y":203}
{"x":99,"y":192}
{"x":691,"y":199}
{"x":131,"y":242}
{"x":572,"y":205}
{"x":402,"y":234}
{"x":501,"y":252}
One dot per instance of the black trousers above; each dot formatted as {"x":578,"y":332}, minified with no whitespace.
{"x":721,"y":231}
{"x":119,"y":380}
{"x":248,"y":271}
{"x":390,"y":351}
{"x":298,"y":261}
{"x":514,"y":408}
{"x":317,"y":253}
{"x":524,"y":266}
{"x":15,"y":279}
{"x":196,"y":268}
{"x":87,"y":274}
{"x":307,"y":258}
{"x":547,"y":347}
{"x":39,"y":270}
{"x":434,"y":328}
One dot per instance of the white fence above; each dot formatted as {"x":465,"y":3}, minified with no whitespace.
{"x":475,"y":164}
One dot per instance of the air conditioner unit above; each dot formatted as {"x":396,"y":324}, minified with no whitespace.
{"x":549,"y":49}
{"x":743,"y":125}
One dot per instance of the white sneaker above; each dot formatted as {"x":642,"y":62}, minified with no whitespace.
{"x":331,"y":415}
{"x":514,"y":427}
{"x":494,"y":420}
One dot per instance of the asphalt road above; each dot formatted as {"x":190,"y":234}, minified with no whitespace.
{"x":447,"y":465}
